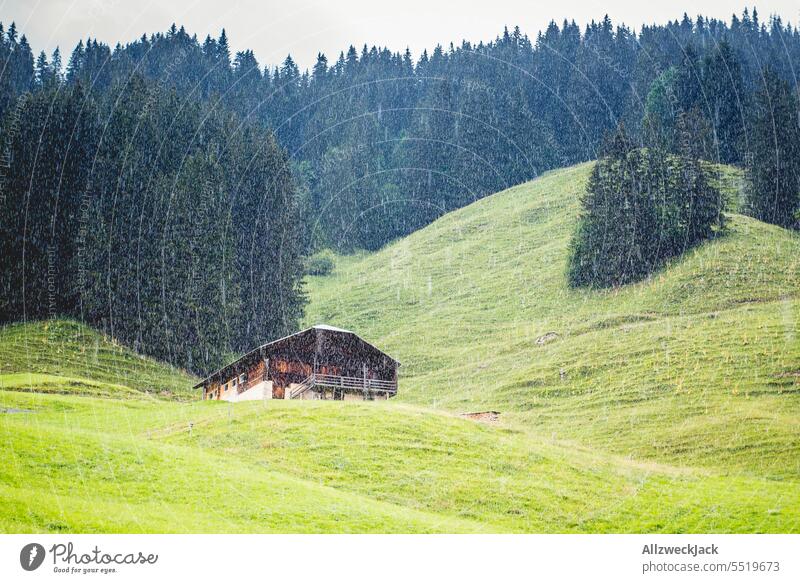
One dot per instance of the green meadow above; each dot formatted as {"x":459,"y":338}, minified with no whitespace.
{"x":671,"y":405}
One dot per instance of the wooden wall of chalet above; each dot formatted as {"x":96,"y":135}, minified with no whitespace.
{"x":211,"y":391}
{"x":348,"y":354}
{"x":284,"y":370}
{"x":256,"y":373}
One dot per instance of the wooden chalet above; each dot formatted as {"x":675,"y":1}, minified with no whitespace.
{"x":321,"y":362}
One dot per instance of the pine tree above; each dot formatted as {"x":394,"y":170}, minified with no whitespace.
{"x":22,"y":70}
{"x":56,"y":65}
{"x":43,"y":73}
{"x":223,"y":50}
{"x":609,"y":247}
{"x":75,"y":65}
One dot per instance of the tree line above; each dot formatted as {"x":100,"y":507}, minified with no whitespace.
{"x":384,"y":142}
{"x":169,"y":223}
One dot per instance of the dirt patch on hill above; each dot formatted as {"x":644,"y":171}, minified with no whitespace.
{"x":546,"y":338}
{"x":483,"y":416}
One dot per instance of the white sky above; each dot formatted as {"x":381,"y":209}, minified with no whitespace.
{"x":303,"y":27}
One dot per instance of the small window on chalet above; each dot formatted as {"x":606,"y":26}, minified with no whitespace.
{"x":242,"y":378}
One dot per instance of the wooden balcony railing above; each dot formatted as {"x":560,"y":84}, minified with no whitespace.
{"x":345,"y":383}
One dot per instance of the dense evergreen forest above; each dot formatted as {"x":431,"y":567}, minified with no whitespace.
{"x":166,"y":189}
{"x":171,"y":224}
{"x":386,"y":141}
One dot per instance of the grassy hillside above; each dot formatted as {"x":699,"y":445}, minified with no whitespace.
{"x":667,"y":406}
{"x":67,"y":357}
{"x":698,"y":366}
{"x":83,"y":464}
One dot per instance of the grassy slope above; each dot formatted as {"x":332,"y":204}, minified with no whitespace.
{"x":84,"y":464}
{"x":698,"y":366}
{"x":637,"y":437}
{"x":80,"y":464}
{"x":68,"y":357}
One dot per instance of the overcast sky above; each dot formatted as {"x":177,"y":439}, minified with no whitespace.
{"x":303,"y":27}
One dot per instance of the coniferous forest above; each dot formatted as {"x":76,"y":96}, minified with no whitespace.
{"x":168,"y":190}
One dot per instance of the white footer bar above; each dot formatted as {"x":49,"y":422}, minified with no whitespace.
{"x":388,"y":558}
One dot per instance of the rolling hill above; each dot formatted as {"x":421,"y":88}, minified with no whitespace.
{"x":63,"y":356}
{"x":672,"y":405}
{"x":700,"y":365}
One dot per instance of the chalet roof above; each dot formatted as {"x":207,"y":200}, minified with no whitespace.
{"x":331,"y":328}
{"x":274,"y":343}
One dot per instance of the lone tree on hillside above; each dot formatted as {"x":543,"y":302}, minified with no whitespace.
{"x":773,"y":167}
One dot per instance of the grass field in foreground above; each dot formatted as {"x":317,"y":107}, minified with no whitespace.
{"x":85,"y":464}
